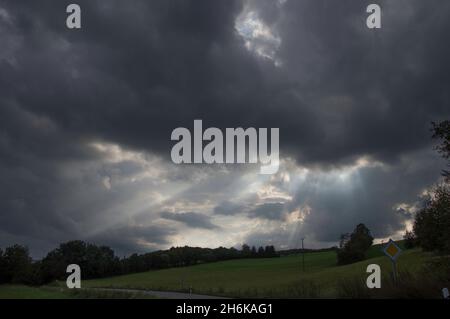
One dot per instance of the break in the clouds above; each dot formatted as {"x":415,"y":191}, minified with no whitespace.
{"x":86,"y":117}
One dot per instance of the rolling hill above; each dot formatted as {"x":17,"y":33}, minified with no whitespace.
{"x":272,"y":277}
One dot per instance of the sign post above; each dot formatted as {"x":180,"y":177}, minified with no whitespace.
{"x":393,"y":252}
{"x":445,"y":293}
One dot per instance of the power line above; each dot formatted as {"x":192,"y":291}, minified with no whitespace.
{"x":303,"y":255}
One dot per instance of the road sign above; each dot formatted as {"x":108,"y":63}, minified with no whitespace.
{"x":392,"y":250}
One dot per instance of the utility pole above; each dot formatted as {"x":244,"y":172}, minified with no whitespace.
{"x":303,"y":255}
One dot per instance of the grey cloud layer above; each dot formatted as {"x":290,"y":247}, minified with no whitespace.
{"x":191,"y":219}
{"x":139,"y":69}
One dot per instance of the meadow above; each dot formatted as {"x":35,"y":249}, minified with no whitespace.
{"x":56,"y":291}
{"x":25,"y":292}
{"x":244,"y":278}
{"x":272,"y":277}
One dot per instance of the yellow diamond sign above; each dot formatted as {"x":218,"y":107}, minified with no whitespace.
{"x":392,"y":250}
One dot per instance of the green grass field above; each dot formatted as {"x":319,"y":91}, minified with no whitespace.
{"x":24,"y":292}
{"x":57,"y":292}
{"x":274,"y":277}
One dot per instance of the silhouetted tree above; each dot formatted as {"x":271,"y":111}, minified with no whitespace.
{"x":409,"y":240}
{"x":246,"y":250}
{"x":269,"y":251}
{"x":261,"y":252}
{"x":17,"y":265}
{"x":442,"y":131}
{"x":432,"y":223}
{"x":344,"y":239}
{"x":94,"y":261}
{"x":354,"y":249}
{"x":3,"y":276}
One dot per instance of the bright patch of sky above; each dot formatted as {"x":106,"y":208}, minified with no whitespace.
{"x":259,"y":38}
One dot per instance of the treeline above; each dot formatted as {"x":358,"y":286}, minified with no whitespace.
{"x":295,"y":251}
{"x":261,"y":252}
{"x":354,"y":246}
{"x":16,"y":265}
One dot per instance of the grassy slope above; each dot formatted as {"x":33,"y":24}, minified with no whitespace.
{"x":260,"y":277}
{"x":274,"y":277}
{"x":24,"y":292}
{"x":54,"y":292}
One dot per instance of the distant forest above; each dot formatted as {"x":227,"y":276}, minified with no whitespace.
{"x":16,"y":265}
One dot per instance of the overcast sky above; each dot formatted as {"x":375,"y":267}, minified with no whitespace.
{"x":86,"y":117}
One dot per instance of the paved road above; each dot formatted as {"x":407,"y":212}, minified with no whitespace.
{"x":163,"y":294}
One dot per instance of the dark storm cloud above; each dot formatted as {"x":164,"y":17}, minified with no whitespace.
{"x":191,"y":219}
{"x":151,"y":65}
{"x":374,"y":92}
{"x":338,"y":201}
{"x":343,"y":90}
{"x":274,"y":211}
{"x":122,"y":78}
{"x":137,"y":239}
{"x":138,"y":69}
{"x":372,"y":197}
{"x":228,"y":208}
{"x":270,"y":211}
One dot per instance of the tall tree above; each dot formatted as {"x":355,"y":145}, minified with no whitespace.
{"x":432,"y":223}
{"x":261,"y":252}
{"x":3,"y":277}
{"x":17,"y":264}
{"x":353,"y":248}
{"x":442,"y":131}
{"x":246,"y":251}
